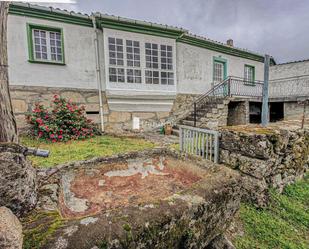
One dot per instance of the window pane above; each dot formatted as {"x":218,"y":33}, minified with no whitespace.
{"x":115,"y":51}
{"x":133,"y":53}
{"x":111,"y":40}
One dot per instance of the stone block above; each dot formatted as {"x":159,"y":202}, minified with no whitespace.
{"x":161,"y":115}
{"x":144,"y":115}
{"x":115,"y":117}
{"x":221,"y":106}
{"x":19,"y":106}
{"x":214,"y":110}
{"x":93,"y":99}
{"x":74,"y":96}
{"x":11,"y":236}
{"x":92,"y":107}
{"x":18,"y":182}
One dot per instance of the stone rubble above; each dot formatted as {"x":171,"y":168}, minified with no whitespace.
{"x":18,"y":184}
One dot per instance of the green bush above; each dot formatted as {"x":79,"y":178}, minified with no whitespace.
{"x":65,"y":121}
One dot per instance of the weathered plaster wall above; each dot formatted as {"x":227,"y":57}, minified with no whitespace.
{"x":289,"y":80}
{"x":79,"y":71}
{"x":195,"y":68}
{"x":289,"y":70}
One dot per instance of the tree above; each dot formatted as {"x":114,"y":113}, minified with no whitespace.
{"x":8,"y":128}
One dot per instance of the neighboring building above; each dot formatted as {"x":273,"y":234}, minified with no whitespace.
{"x":143,"y":70}
{"x":289,"y":86}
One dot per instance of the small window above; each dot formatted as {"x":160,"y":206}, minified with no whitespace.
{"x":134,"y":76}
{"x":152,"y":55}
{"x":115,"y":51}
{"x":133,"y":53}
{"x":167,"y":78}
{"x":152,"y":77}
{"x":166,"y":57}
{"x":249,"y":75}
{"x":218,"y":72}
{"x":46,"y":44}
{"x":116,"y":75}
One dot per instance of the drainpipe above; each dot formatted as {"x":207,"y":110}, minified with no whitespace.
{"x":98,"y":72}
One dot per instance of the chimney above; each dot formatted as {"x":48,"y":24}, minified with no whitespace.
{"x":229,"y":42}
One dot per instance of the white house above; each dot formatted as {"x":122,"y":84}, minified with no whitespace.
{"x":133,"y":68}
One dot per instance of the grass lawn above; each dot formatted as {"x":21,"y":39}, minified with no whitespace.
{"x":284,"y":224}
{"x":84,"y":149}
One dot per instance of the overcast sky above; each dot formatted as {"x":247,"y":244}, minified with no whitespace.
{"x":277,"y":27}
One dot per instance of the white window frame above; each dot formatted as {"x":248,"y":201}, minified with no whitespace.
{"x":142,"y":39}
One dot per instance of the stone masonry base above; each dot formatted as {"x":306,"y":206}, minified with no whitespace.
{"x":25,"y":97}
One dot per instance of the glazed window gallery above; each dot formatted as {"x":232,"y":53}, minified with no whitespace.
{"x":132,"y":61}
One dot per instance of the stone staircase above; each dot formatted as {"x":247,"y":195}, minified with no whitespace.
{"x":212,"y":114}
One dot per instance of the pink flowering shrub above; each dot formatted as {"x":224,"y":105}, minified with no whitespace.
{"x":64,"y":122}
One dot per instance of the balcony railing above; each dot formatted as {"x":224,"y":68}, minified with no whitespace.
{"x":239,"y":87}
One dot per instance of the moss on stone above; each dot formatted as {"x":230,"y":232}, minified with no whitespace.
{"x":38,"y":227}
{"x":259,"y":130}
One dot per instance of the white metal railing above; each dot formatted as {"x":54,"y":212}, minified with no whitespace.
{"x":201,"y":142}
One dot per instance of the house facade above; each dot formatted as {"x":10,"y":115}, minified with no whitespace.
{"x":127,"y":73}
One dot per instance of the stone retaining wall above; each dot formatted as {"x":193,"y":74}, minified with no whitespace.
{"x":267,"y":158}
{"x":24,"y":98}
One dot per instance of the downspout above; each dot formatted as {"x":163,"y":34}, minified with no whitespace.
{"x":98,"y":72}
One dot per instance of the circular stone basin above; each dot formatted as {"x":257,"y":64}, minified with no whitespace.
{"x":89,"y":190}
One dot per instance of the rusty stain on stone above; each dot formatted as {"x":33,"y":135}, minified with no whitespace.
{"x":90,"y":190}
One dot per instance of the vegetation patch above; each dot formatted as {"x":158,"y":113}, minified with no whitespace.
{"x":63,"y":152}
{"x":65,"y":121}
{"x":38,"y":227}
{"x":252,"y":129}
{"x":284,"y":224}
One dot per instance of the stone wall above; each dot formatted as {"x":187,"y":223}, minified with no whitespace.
{"x":267,"y":158}
{"x":238,"y":113}
{"x":25,"y":97}
{"x":293,"y":110}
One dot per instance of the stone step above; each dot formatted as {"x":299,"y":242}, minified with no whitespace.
{"x":189,"y":123}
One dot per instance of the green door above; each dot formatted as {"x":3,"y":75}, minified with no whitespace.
{"x":219,"y":72}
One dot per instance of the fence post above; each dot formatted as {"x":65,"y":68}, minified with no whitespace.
{"x":181,"y":138}
{"x":265,"y":117}
{"x":194,"y":114}
{"x":229,"y":87}
{"x":216,"y":148}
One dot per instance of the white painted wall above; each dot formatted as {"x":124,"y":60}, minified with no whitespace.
{"x":79,"y":71}
{"x":289,"y":70}
{"x":195,"y":68}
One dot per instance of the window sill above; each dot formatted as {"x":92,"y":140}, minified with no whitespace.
{"x":48,"y":62}
{"x":249,"y":84}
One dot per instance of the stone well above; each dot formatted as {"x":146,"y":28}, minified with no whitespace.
{"x":149,"y":199}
